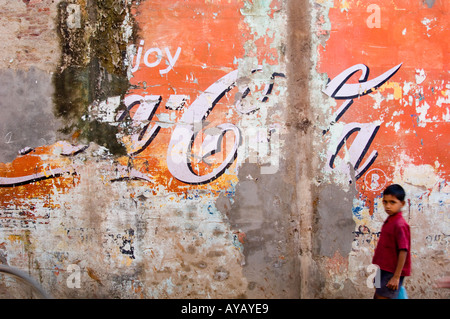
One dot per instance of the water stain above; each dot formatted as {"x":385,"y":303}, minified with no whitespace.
{"x":92,"y":68}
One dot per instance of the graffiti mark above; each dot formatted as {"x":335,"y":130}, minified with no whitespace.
{"x":8,"y":138}
{"x":23,"y":218}
{"x":442,"y":239}
{"x":124,"y":242}
{"x":364,"y":236}
{"x":127,"y":244}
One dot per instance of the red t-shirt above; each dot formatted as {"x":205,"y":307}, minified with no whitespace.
{"x":395,"y":235}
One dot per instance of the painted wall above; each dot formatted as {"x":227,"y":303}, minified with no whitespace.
{"x":162,"y":124}
{"x":201,"y":149}
{"x":382,"y":70}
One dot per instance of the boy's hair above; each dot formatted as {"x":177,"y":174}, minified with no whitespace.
{"x":395,"y":190}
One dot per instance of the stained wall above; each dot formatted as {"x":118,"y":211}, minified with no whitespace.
{"x":381,"y":93}
{"x":220,"y":149}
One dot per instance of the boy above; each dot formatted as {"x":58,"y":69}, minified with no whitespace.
{"x":392,"y":254}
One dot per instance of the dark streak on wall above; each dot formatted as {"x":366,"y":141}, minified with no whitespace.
{"x":301,"y":167}
{"x":91,"y":69}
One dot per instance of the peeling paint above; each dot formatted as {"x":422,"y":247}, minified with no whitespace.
{"x":162,"y":157}
{"x":410,"y":115}
{"x":106,"y":191}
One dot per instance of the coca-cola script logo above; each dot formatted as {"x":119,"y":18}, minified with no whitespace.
{"x":339,"y":89}
{"x":189,"y":128}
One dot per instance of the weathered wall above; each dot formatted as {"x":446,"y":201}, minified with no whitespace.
{"x":159,"y":182}
{"x":381,"y":85}
{"x":172,"y":149}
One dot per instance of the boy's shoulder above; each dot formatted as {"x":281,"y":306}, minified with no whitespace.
{"x":401,"y":221}
{"x":396,"y":220}
{"x":402,"y":218}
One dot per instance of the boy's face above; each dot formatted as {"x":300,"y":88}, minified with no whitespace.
{"x":392,"y":204}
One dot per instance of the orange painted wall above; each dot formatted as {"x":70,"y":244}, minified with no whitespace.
{"x":413,"y":106}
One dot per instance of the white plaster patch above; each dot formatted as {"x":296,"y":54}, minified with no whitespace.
{"x":420,"y":76}
{"x":419,"y":175}
{"x":407,"y":87}
{"x":105,"y":111}
{"x":446,"y":116}
{"x":422,"y":111}
{"x":427,"y":22}
{"x":378,"y":97}
{"x":443,"y":100}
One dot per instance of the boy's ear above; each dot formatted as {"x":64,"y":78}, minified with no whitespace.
{"x":403,"y":203}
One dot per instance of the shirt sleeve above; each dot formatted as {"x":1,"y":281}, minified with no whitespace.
{"x":403,"y":237}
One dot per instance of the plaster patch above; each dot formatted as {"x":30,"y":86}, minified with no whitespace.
{"x":420,"y":76}
{"x":422,"y":111}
